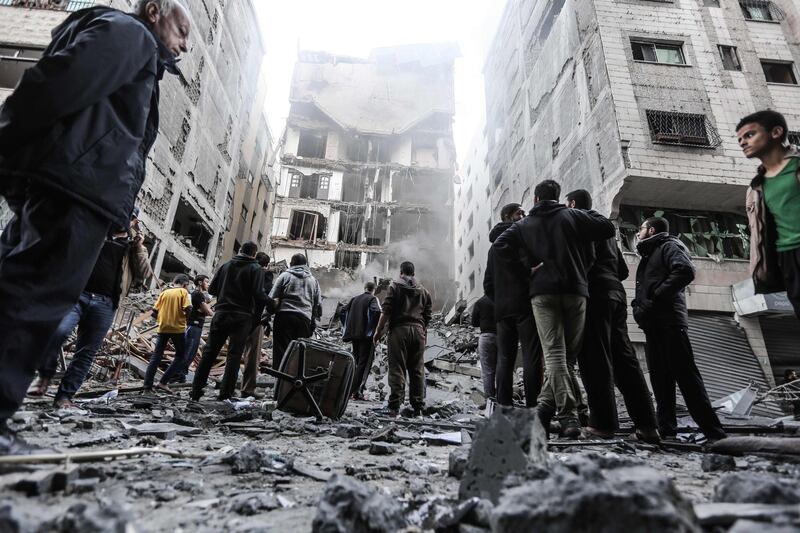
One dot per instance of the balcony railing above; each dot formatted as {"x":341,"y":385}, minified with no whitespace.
{"x":56,"y":5}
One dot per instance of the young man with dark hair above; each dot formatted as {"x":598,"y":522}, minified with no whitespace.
{"x":557,"y":244}
{"x":252,"y":351}
{"x":74,"y":139}
{"x":664,"y":272}
{"x":171,"y":311}
{"x":406,"y":313}
{"x":607,"y":354}
{"x":239,"y":288}
{"x":194,"y":330}
{"x":122,"y":260}
{"x":298,"y":305}
{"x":505,"y":283}
{"x":773,"y":205}
{"x":361,"y":317}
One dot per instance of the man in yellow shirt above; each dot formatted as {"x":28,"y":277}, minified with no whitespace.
{"x":171,"y":310}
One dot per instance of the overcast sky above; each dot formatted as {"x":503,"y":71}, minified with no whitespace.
{"x":354,"y":27}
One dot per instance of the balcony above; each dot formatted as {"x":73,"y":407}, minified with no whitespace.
{"x":55,"y":5}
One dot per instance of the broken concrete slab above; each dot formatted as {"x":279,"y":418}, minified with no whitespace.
{"x":163,"y":430}
{"x":756,"y":487}
{"x":381,"y":448}
{"x":350,"y":506}
{"x":91,"y":518}
{"x":495,"y":453}
{"x":251,"y":458}
{"x":348,"y":431}
{"x":756,"y":445}
{"x":457,"y":462}
{"x":581,"y":497}
{"x":717,"y":463}
{"x":751,"y":526}
{"x":725,"y":514}
{"x":252,"y":503}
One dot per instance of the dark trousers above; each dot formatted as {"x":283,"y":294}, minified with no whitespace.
{"x":287,"y":327}
{"x":510,"y":332}
{"x":406,"y":355}
{"x":363,"y":351}
{"x":607,"y":356}
{"x":224,"y":326}
{"x":671,"y":361}
{"x":47,"y":253}
{"x":179,"y":342}
{"x":192,"y":340}
{"x":92,"y":315}
{"x":790,"y":266}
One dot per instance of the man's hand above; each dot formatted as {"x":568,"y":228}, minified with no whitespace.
{"x":379,"y":334}
{"x":537,"y":267}
{"x":138,"y":239}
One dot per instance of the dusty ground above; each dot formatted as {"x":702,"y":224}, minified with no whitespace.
{"x":164,"y":493}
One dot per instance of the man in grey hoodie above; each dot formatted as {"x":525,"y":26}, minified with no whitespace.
{"x":297,"y":301}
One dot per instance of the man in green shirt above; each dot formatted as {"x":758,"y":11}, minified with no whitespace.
{"x":773,"y":205}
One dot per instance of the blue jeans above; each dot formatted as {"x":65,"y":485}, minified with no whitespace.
{"x":179,"y":342}
{"x":193,"y":334}
{"x":92,"y":315}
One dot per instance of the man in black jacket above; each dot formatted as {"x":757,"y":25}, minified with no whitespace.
{"x":483,"y":318}
{"x":252,"y":351}
{"x":557,"y":242}
{"x":505,"y":282}
{"x":74,"y":137}
{"x":607,"y":354}
{"x":239,"y":288}
{"x":659,"y":308}
{"x":361,"y":317}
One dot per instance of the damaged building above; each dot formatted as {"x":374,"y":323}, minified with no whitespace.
{"x":637,"y":102}
{"x":209,"y":186}
{"x":367,"y":164}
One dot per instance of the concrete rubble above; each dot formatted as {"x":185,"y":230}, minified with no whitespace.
{"x":131,"y":461}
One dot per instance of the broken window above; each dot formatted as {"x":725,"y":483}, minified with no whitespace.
{"x":244,"y":212}
{"x":347,"y":259}
{"x":471,"y":250}
{"x":761,"y":11}
{"x":306,"y":225}
{"x":190,"y":229}
{"x":687,"y":129}
{"x":730,"y":57}
{"x":312,"y":144}
{"x":671,"y":54}
{"x":779,"y":72}
{"x":706,"y":234}
{"x":14,"y":61}
{"x":350,"y":227}
{"x":711,"y":3}
{"x":469,"y":221}
{"x":313,"y":186}
{"x":472,"y":281}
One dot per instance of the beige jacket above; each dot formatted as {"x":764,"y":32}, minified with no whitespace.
{"x":764,"y":268}
{"x":135,"y":266}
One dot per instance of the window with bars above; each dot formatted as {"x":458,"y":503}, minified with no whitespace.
{"x":779,"y":72}
{"x":684,"y":129}
{"x":14,"y":61}
{"x":794,"y":137}
{"x":652,"y":52}
{"x":58,"y":5}
{"x":730,"y":57}
{"x":761,"y":11}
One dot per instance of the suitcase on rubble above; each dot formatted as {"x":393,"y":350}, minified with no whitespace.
{"x":328,"y":372}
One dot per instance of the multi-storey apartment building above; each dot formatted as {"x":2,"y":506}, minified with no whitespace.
{"x":473,"y":218}
{"x":637,"y":102}
{"x":367,"y":164}
{"x":208,"y":182}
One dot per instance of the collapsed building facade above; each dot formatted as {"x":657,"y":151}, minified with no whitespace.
{"x":367,"y":164}
{"x":637,"y":102}
{"x":209,"y":186}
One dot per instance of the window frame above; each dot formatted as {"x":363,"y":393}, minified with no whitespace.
{"x":655,"y":44}
{"x":734,"y":54}
{"x":789,"y":64}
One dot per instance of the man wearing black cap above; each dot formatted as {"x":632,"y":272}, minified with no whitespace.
{"x":122,"y":261}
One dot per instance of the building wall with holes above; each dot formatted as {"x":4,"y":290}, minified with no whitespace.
{"x":701,"y":86}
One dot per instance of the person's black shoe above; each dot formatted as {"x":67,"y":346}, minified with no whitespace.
{"x":570,"y":428}
{"x":545,"y":415}
{"x":13,"y":444}
{"x":387,"y":412}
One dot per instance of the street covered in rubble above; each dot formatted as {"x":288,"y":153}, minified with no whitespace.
{"x":155,"y":462}
{"x":458,"y":266}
